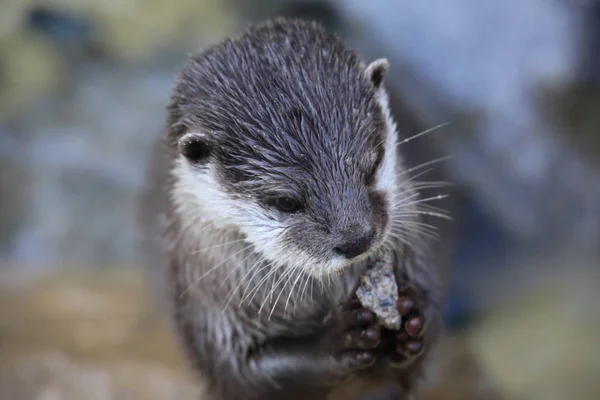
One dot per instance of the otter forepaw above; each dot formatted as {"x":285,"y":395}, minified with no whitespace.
{"x":355,"y":336}
{"x":409,"y":343}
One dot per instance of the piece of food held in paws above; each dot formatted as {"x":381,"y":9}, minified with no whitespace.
{"x":378,"y":291}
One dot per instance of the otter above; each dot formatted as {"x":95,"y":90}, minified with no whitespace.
{"x":281,"y":170}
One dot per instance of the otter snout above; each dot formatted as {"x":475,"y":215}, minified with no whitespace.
{"x":355,"y":241}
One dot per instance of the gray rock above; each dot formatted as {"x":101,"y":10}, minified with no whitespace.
{"x":378,"y":291}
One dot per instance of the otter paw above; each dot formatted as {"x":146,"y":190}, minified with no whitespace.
{"x":409,"y":343}
{"x":355,"y":336}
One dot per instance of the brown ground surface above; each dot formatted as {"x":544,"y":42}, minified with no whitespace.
{"x":98,"y":337}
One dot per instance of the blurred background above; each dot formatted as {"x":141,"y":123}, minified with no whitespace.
{"x":83,"y":86}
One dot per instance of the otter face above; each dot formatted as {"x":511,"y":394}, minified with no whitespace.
{"x":308,"y":189}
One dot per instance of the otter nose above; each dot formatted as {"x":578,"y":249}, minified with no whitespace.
{"x":355,"y":244}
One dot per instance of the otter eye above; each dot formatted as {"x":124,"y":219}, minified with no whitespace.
{"x":287,"y":204}
{"x":195,"y":147}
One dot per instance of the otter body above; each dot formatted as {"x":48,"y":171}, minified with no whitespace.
{"x":281,"y":171}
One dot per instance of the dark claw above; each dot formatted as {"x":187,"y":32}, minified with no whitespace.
{"x":405,"y":305}
{"x":372,"y":334}
{"x":414,"y":347}
{"x":357,"y":359}
{"x":351,"y":319}
{"x":362,"y":339}
{"x":414,"y":326}
{"x":409,"y":348}
{"x":365,"y":317}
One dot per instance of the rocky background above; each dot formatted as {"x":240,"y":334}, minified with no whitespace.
{"x":83,"y":85}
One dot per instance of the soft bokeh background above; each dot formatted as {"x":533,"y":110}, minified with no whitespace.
{"x":83,"y":85}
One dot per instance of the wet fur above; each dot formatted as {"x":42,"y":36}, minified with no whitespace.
{"x":247,"y":292}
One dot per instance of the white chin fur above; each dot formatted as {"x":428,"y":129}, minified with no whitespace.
{"x":199,"y":199}
{"x":201,"y":202}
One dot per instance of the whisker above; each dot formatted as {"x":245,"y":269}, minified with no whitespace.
{"x":242,"y":280}
{"x":214,"y":268}
{"x":401,"y":239}
{"x":260,"y":283}
{"x":208,"y":226}
{"x":431,"y":185}
{"x":413,"y":225}
{"x":404,"y":195}
{"x":289,"y":273}
{"x":417,"y":175}
{"x":414,"y":192}
{"x":215,"y":246}
{"x":241,"y":264}
{"x":429,"y":213}
{"x":271,"y":274}
{"x":413,"y":221}
{"x":422,"y":133}
{"x":420,"y":234}
{"x":426,"y":164}
{"x":389,"y":245}
{"x":300,"y":274}
{"x":281,"y":278}
{"x":408,"y":243}
{"x":283,"y":287}
{"x":301,"y":294}
{"x":308,"y":278}
{"x":414,"y":187}
{"x":248,"y":289}
{"x":418,"y":231}
{"x":432,"y":208}
{"x":404,"y":203}
{"x":410,"y":233}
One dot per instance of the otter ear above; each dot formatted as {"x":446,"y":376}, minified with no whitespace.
{"x":377,"y":71}
{"x":196,"y":147}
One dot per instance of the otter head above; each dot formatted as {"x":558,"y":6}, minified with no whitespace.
{"x":299,"y":158}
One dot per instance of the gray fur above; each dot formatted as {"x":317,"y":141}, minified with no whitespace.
{"x":283,"y":108}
